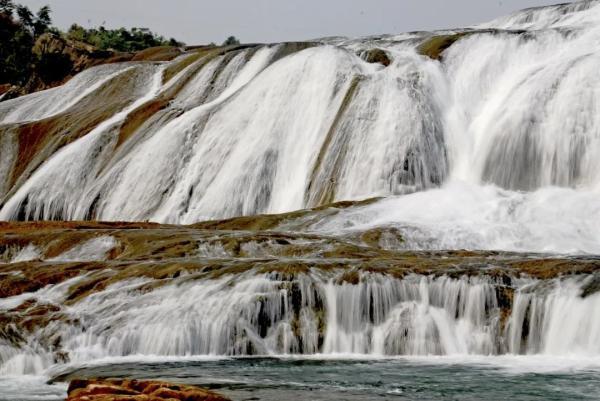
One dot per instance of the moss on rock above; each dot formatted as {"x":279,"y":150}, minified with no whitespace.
{"x":435,"y":46}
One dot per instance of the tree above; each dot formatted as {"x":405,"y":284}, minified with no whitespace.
{"x":25,"y":16}
{"x":121,"y":39}
{"x":53,"y":66}
{"x":42,"y":21}
{"x":232,"y":40}
{"x":77,"y":32}
{"x":20,"y":30}
{"x":6,"y":7}
{"x":16,"y":42}
{"x":175,"y":43}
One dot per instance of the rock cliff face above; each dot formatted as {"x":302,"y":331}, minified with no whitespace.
{"x":137,"y":390}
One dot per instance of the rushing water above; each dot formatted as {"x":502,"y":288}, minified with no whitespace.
{"x":280,"y":128}
{"x":254,"y":314}
{"x":493,"y":147}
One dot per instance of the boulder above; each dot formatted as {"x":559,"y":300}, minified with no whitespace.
{"x":377,"y":56}
{"x":137,"y":390}
{"x":435,"y":46}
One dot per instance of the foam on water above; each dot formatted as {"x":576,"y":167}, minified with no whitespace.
{"x":466,"y":216}
{"x":30,"y":388}
{"x":28,"y":253}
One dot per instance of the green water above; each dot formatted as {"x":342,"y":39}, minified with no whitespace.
{"x":273,"y":379}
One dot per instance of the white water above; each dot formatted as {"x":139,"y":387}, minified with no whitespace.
{"x":575,"y":14}
{"x":95,"y":249}
{"x":499,"y":123}
{"x":51,"y":102}
{"x":30,"y":252}
{"x":495,"y":147}
{"x":560,"y":324}
{"x":467,"y":216}
{"x":262,"y":315}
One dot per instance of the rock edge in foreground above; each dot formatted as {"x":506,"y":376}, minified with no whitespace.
{"x":137,"y":390}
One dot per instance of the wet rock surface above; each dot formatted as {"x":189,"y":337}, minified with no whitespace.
{"x":214,"y":249}
{"x":89,"y":258}
{"x":377,"y":56}
{"x":136,"y":390}
{"x":435,"y":45}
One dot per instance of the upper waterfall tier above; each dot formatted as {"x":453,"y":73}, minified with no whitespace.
{"x":222,"y":132}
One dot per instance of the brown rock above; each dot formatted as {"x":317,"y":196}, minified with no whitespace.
{"x":159,"y":53}
{"x":137,"y":390}
{"x":435,"y":46}
{"x":8,"y":91}
{"x":4,"y":88}
{"x":81,"y":56}
{"x":377,"y":56}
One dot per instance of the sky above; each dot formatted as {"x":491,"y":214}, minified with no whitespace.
{"x":205,"y":21}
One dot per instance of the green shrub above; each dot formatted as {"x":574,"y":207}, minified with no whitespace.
{"x":121,"y":39}
{"x":20,"y":28}
{"x":230,"y":41}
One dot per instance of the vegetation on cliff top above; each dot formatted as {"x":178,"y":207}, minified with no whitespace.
{"x":19,"y":28}
{"x":121,"y":39}
{"x":26,"y":57}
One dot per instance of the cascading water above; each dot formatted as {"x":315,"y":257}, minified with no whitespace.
{"x":484,"y":139}
{"x":256,"y":314}
{"x":512,"y":104}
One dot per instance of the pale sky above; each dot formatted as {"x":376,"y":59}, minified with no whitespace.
{"x":204,"y":21}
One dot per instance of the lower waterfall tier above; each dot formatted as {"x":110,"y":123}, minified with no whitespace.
{"x":78,"y":292}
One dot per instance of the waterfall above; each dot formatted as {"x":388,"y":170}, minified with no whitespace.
{"x":485,"y":138}
{"x":557,"y":323}
{"x":256,"y":314}
{"x":275,"y":128}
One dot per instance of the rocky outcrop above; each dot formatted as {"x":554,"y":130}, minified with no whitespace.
{"x":5,"y":89}
{"x":213,"y":249}
{"x":377,"y":56}
{"x":435,"y":46}
{"x":137,"y":390}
